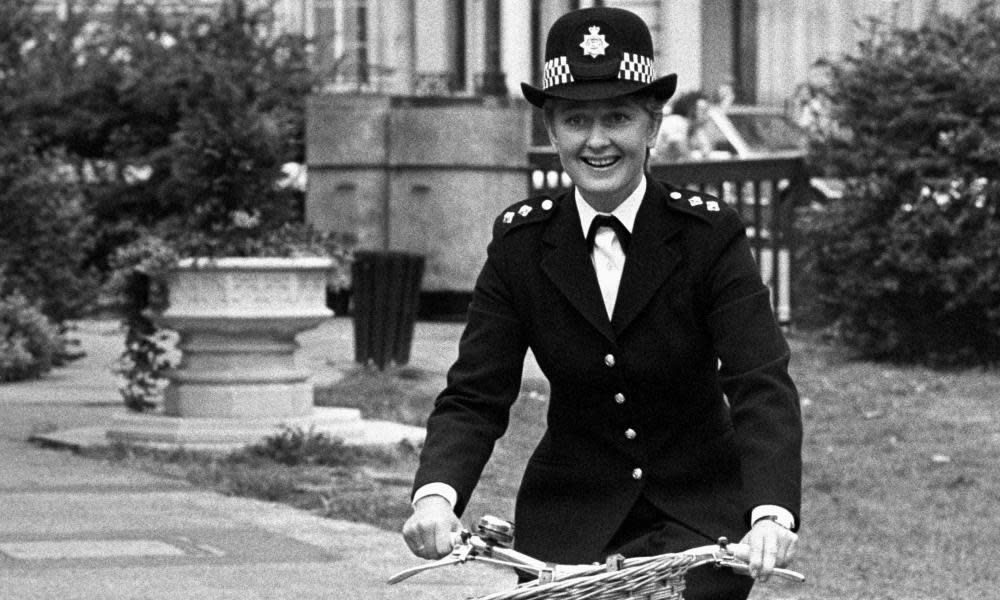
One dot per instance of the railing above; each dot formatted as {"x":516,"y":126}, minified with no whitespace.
{"x":762,"y":190}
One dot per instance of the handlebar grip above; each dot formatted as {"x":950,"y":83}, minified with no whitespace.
{"x":741,"y":553}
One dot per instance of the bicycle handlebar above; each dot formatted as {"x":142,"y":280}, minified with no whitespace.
{"x":490,"y":545}
{"x":739,"y":562}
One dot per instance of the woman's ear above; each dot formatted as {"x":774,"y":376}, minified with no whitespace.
{"x":654,"y":129}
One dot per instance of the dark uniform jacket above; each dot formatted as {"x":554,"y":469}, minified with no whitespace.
{"x":692,"y":362}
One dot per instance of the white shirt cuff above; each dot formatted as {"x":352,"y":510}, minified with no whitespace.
{"x":785,"y":518}
{"x":438,"y":489}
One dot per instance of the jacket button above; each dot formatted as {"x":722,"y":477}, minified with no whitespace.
{"x":609,"y":360}
{"x":620,"y":398}
{"x":636,"y":473}
{"x":630,"y":433}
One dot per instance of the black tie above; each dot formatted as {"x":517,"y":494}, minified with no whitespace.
{"x":609,"y":221}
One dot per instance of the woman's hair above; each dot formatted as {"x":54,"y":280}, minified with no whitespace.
{"x":653,"y":105}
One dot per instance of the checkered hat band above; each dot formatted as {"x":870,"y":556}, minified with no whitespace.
{"x":556,"y":73}
{"x":634,"y":67}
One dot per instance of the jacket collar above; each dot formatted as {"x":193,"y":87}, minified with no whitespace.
{"x":648,"y":264}
{"x":624,"y":212}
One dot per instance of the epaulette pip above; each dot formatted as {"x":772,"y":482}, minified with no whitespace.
{"x":693,"y":202}
{"x":532,"y":210}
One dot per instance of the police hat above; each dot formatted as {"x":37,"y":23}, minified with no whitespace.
{"x":596,"y":54}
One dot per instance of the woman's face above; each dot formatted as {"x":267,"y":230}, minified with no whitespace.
{"x":602,"y":145}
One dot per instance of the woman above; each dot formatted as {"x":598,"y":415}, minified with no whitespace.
{"x":672,"y":419}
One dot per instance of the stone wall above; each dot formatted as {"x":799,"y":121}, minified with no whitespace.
{"x":416,"y":175}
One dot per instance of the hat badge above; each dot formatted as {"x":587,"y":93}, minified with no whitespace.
{"x":594,"y":44}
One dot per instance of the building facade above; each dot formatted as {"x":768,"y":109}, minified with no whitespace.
{"x":763,"y":48}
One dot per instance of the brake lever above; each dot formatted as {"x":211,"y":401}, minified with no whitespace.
{"x":461,"y":552}
{"x":451,"y":559}
{"x":742,"y":568}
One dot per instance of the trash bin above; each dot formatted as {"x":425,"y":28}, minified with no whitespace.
{"x":385,"y":289}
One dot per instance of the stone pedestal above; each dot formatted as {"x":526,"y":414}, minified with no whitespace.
{"x":238,"y":382}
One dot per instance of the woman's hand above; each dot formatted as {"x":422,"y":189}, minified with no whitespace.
{"x":428,"y":531}
{"x":771,"y":545}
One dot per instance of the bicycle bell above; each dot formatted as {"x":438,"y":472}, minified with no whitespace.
{"x":496,"y":531}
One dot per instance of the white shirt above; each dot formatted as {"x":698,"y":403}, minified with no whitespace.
{"x":608,"y":264}
{"x":607,"y":255}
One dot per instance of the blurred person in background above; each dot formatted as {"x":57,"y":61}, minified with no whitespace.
{"x":810,"y":104}
{"x":725,"y":95}
{"x":682,"y":134}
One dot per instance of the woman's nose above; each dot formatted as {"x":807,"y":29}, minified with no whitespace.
{"x":597,"y":137}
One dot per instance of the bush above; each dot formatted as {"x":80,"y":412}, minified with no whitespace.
{"x":44,"y":235}
{"x":907,"y":261}
{"x":134,"y":286}
{"x":295,"y":446}
{"x":167,"y":122}
{"x":28,"y":340}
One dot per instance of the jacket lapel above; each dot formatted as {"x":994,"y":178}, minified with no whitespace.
{"x":650,"y":259}
{"x":567,"y":264}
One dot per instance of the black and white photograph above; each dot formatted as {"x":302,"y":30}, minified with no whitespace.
{"x":499,"y":299}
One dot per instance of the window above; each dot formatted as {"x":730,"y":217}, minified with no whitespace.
{"x":341,"y":43}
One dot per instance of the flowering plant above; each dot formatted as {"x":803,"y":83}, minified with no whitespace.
{"x":142,"y":368}
{"x":917,"y":279}
{"x":905,"y":264}
{"x":137,"y":283}
{"x":214,"y":180}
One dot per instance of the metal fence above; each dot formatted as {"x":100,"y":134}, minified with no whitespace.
{"x":762,"y":190}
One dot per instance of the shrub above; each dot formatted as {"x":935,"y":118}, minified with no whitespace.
{"x":295,"y":446}
{"x":28,"y":340}
{"x":907,"y":261}
{"x":44,"y":234}
{"x":135,"y":285}
{"x":168,"y":122}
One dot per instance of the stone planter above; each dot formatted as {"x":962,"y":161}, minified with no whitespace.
{"x":237,"y":319}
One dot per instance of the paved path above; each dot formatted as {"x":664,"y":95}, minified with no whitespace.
{"x":72,"y":527}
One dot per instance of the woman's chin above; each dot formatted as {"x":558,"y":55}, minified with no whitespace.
{"x":600,"y":184}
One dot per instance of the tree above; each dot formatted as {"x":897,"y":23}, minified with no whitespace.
{"x":907,"y":260}
{"x":44,"y":225}
{"x":178,"y":125}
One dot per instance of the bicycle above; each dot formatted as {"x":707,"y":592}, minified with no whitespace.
{"x":658,"y":577}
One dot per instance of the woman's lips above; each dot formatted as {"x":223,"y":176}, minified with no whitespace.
{"x":600,"y":162}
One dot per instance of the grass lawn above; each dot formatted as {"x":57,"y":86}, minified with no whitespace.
{"x":901,"y":480}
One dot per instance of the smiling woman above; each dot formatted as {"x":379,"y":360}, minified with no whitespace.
{"x":672,"y":419}
{"x":603,"y":145}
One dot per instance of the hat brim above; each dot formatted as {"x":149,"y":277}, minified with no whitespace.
{"x":661,"y":89}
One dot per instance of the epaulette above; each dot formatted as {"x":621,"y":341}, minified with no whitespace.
{"x":693,"y":202}
{"x":533,"y":210}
